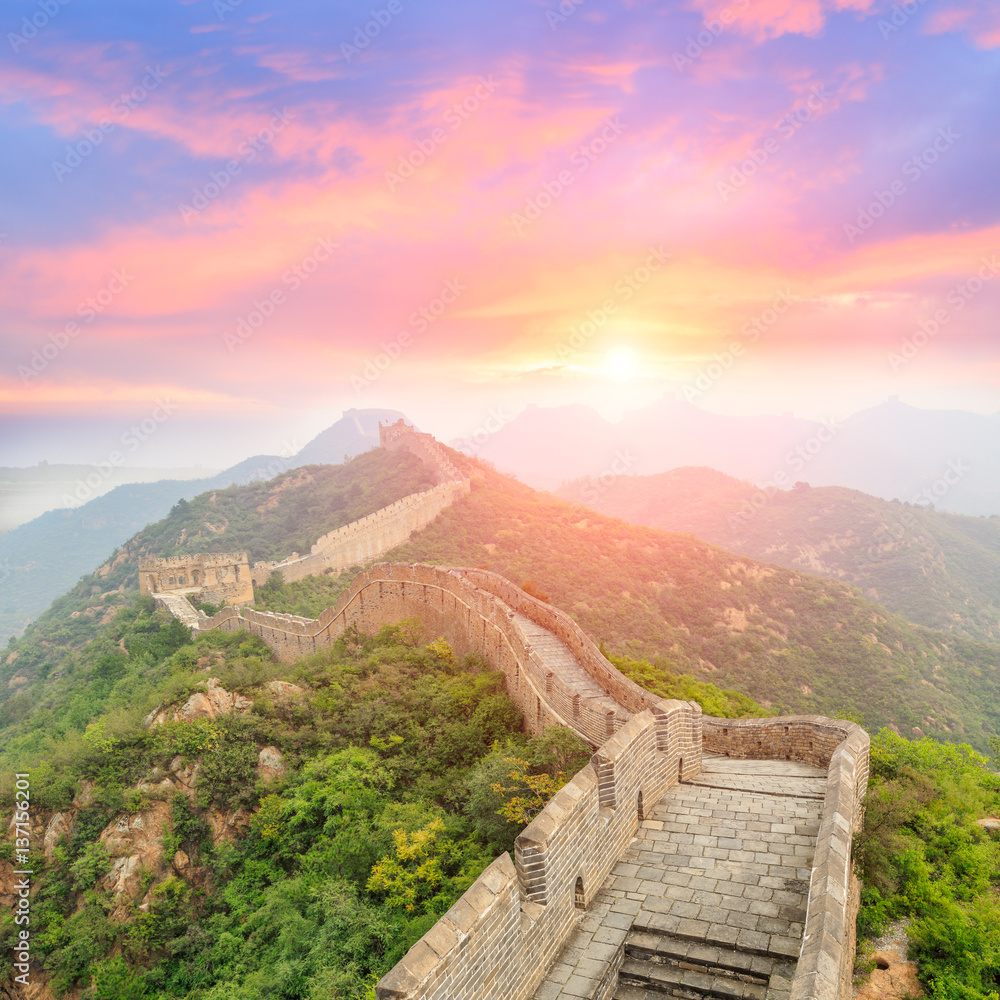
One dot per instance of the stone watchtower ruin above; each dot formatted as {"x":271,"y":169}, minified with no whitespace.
{"x":216,"y":577}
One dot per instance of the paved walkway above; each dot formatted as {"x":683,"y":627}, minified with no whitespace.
{"x":558,"y":658}
{"x":709,"y":900}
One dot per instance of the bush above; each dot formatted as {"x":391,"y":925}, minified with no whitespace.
{"x":92,"y":864}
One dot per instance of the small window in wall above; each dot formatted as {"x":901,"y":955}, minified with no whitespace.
{"x":680,"y":769}
{"x":579,"y":900}
{"x":181,"y":580}
{"x":638,"y":807}
{"x":194,"y":577}
{"x":170,"y":580}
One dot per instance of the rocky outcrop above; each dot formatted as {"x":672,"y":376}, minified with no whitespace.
{"x":85,"y":794}
{"x":8,"y":895}
{"x":894,"y":977}
{"x":60,"y":824}
{"x":283,"y":690}
{"x":134,"y":842}
{"x":227,"y":826}
{"x":210,"y":704}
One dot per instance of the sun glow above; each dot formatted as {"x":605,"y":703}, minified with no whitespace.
{"x":621,"y":363}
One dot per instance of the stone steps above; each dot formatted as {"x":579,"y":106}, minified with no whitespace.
{"x":639,"y":980}
{"x":698,"y":956}
{"x":780,"y":947}
{"x":659,"y":965}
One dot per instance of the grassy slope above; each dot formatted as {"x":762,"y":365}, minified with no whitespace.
{"x":382,"y":737}
{"x":794,"y":642}
{"x":938,"y":569}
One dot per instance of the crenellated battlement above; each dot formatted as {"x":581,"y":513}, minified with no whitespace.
{"x":370,"y":537}
{"x":501,"y":938}
{"x":355,"y":544}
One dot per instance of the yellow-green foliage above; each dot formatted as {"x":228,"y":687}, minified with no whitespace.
{"x":351,"y":854}
{"x":922,"y":854}
{"x":523,"y":793}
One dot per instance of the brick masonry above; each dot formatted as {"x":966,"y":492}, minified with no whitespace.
{"x":370,"y":537}
{"x":498,"y":940}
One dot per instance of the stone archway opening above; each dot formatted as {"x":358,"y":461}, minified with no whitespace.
{"x":579,"y":899}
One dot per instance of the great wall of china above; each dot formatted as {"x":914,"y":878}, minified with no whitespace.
{"x":228,"y":577}
{"x":693,"y":857}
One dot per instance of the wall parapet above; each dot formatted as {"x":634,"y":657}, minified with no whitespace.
{"x":625,"y":692}
{"x":498,"y":940}
{"x":369,"y":537}
{"x":425,"y":446}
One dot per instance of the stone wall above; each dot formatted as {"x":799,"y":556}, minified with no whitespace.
{"x":367,"y":538}
{"x":370,"y":537}
{"x":826,"y":962}
{"x":181,"y":608}
{"x":497,"y":941}
{"x":424,"y":446}
{"x":500,"y":937}
{"x":219,"y":577}
{"x":474,"y":610}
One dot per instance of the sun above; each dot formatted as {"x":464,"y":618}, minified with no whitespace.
{"x":621,"y":363}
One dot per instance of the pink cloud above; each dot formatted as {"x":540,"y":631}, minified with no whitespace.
{"x":981,"y":22}
{"x":770,"y":18}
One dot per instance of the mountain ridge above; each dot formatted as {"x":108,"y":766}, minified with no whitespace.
{"x":938,"y":569}
{"x":42,"y":559}
{"x":890,"y":450}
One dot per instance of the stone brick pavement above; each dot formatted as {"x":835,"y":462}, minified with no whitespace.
{"x":710,"y":898}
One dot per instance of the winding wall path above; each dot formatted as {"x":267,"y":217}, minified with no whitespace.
{"x":513,"y":930}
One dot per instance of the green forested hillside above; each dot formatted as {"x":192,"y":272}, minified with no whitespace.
{"x":794,"y":642}
{"x":387,"y":745}
{"x":935,"y":568}
{"x":923,"y":854}
{"x":308,"y":879}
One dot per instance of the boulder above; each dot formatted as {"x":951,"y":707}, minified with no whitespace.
{"x":215,"y":701}
{"x":270,"y":764}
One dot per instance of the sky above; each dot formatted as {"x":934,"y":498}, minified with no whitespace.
{"x":231,"y":220}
